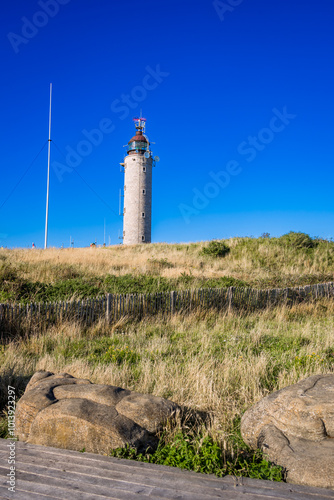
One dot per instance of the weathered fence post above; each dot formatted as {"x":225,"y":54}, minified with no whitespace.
{"x":114,"y":306}
{"x":172,"y":302}
{"x":330,"y":290}
{"x":108,"y":310}
{"x":308,"y":292}
{"x":230,"y":298}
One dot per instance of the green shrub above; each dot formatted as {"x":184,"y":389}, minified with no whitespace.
{"x":297,"y":240}
{"x":216,"y":248}
{"x":195,"y":453}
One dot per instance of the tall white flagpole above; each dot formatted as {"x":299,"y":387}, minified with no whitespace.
{"x":48,"y":183}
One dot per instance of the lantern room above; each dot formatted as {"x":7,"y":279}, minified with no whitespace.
{"x":139,"y":144}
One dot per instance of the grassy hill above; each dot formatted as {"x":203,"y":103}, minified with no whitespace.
{"x":216,"y":364}
{"x":291,"y":260}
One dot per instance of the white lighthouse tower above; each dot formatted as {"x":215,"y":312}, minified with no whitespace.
{"x":138,"y":188}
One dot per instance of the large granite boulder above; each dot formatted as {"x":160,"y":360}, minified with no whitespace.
{"x":295,"y":429}
{"x":67,"y":412}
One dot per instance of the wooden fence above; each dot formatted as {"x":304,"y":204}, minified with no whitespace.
{"x":113,"y":307}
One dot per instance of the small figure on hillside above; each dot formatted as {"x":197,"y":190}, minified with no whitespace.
{"x":33,"y":245}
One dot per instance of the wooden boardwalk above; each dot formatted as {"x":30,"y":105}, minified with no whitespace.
{"x":49,"y":473}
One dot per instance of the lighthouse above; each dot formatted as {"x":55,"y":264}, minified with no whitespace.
{"x":138,"y":164}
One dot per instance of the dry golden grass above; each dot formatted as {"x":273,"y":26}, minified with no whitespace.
{"x":111,"y":260}
{"x":220,"y":364}
{"x":215,"y":364}
{"x":252,"y":260}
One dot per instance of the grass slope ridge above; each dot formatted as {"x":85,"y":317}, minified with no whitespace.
{"x":294,"y":259}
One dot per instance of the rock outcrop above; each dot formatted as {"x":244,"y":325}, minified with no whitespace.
{"x":66,"y":412}
{"x":294,"y":427}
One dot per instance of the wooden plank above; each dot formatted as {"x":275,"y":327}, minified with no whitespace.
{"x":96,"y":469}
{"x":105,"y":472}
{"x":107,"y":481}
{"x":61,"y":488}
{"x":26,"y":453}
{"x":52,"y":489}
{"x":34,"y":486}
{"x":279,"y":486}
{"x":21,"y":494}
{"x":113,"y":469}
{"x":104,"y":487}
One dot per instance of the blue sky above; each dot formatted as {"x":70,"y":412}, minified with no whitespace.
{"x":238,"y":96}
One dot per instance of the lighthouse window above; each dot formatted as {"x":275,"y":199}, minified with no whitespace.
{"x":144,"y":191}
{"x":144,"y":169}
{"x":143,"y":214}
